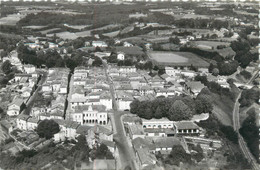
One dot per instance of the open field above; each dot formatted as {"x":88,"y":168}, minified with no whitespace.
{"x":35,"y":27}
{"x":112,"y":34}
{"x":210,"y":44}
{"x":177,"y":59}
{"x":11,"y":19}
{"x":49,"y":30}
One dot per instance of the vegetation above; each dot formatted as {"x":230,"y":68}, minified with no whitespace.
{"x":178,"y":155}
{"x":8,"y":42}
{"x":249,"y":96}
{"x":101,"y":152}
{"x":243,"y":55}
{"x":47,"y":128}
{"x":215,"y":128}
{"x":249,"y":131}
{"x":247,"y":75}
{"x":9,"y":72}
{"x":52,"y":153}
{"x":176,"y":108}
{"x":229,"y":133}
{"x":97,"y":62}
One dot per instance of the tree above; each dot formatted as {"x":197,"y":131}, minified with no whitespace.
{"x":178,"y":155}
{"x":97,"y":62}
{"x":215,"y":72}
{"x":198,"y":156}
{"x":47,"y":128}
{"x":158,"y":113}
{"x":148,"y":65}
{"x":202,"y":79}
{"x":179,"y":111}
{"x":174,"y":40}
{"x":102,"y":152}
{"x":249,"y":131}
{"x":7,"y":67}
{"x":229,"y":133}
{"x":204,"y":104}
{"x":2,"y":113}
{"x":211,"y":67}
{"x":134,"y":106}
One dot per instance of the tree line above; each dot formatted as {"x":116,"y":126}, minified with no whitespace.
{"x":176,"y":108}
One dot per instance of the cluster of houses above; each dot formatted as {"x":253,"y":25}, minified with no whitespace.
{"x":157,"y":135}
{"x":130,"y":83}
{"x":21,"y":86}
{"x":88,"y":117}
{"x":90,"y":99}
{"x":54,"y":90}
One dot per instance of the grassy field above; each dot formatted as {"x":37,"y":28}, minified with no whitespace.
{"x":177,"y":59}
{"x":209,"y":44}
{"x":11,"y":19}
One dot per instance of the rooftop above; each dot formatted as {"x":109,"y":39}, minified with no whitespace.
{"x":186,"y":125}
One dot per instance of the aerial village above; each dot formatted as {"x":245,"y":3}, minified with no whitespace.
{"x":143,"y":96}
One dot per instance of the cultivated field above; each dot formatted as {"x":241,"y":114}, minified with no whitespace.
{"x":177,"y":59}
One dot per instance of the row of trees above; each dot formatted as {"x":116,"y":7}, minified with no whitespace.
{"x":249,"y":131}
{"x":176,"y":108}
{"x":214,"y":87}
{"x":51,"y":58}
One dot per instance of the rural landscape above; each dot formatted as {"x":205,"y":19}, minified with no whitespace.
{"x":129,"y":85}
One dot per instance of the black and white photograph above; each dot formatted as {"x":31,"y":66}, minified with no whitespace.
{"x":129,"y":85}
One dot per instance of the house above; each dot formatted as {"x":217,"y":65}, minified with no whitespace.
{"x":135,"y":131}
{"x":15,"y":107}
{"x":6,"y":126}
{"x":124,"y":103}
{"x":172,"y":72}
{"x":127,"y":44}
{"x":145,"y":90}
{"x":68,"y":129}
{"x":159,"y":132}
{"x":121,"y":56}
{"x":164,"y":92}
{"x":99,"y":44}
{"x":32,"y":123}
{"x":21,"y":121}
{"x":164,"y":145}
{"x":186,"y":128}
{"x":145,"y":158}
{"x":29,"y":68}
{"x":189,"y":74}
{"x":46,"y":87}
{"x":106,"y":100}
{"x":193,"y":87}
{"x":127,"y":69}
{"x":97,"y":134}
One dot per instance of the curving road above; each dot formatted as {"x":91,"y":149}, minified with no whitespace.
{"x":236,"y":126}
